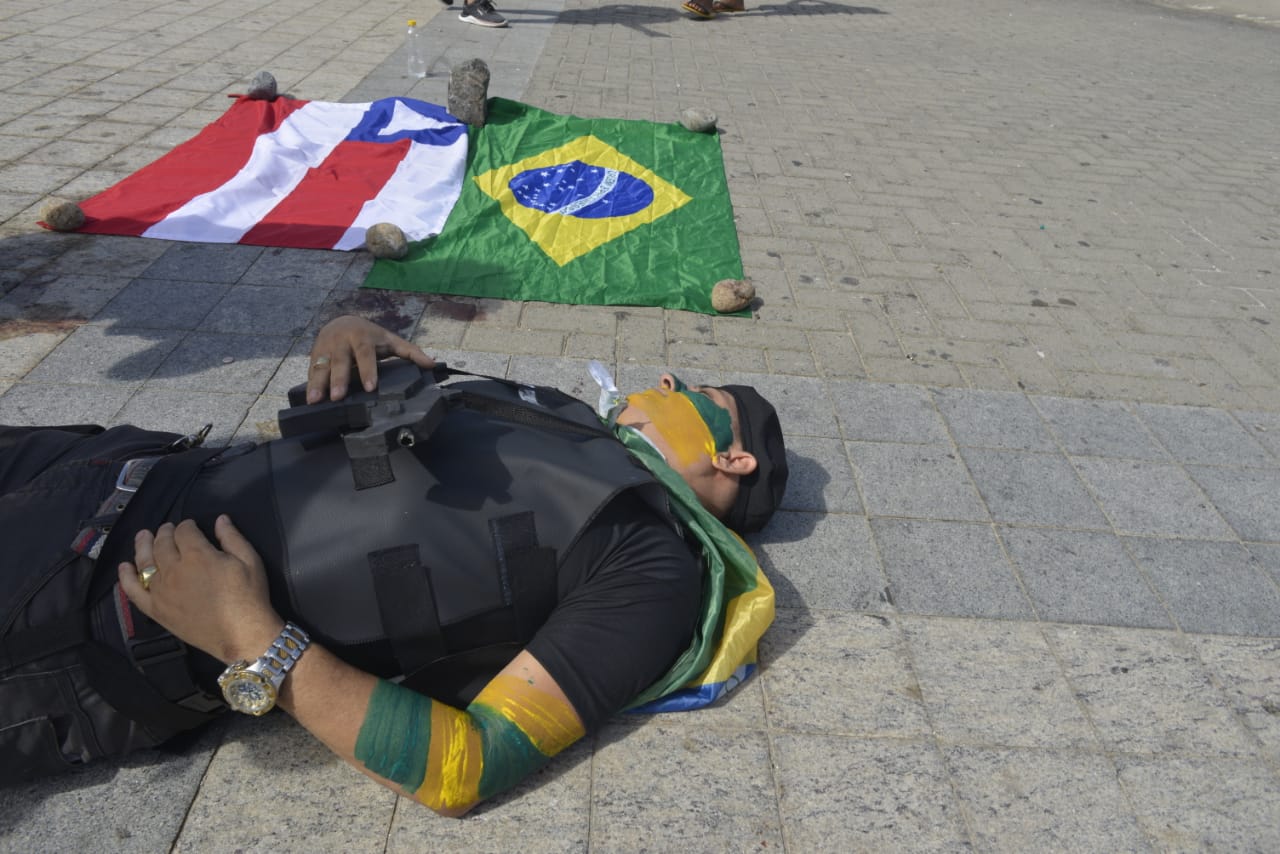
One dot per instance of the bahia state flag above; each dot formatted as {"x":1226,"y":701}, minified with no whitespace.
{"x":307,"y":174}
{"x":564,"y":209}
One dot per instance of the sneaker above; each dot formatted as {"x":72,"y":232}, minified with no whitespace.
{"x":482,"y":13}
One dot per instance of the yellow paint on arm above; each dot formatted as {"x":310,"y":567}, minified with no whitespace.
{"x":454,"y":762}
{"x":548,"y":721}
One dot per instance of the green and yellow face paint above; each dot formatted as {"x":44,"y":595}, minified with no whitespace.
{"x":691,"y":423}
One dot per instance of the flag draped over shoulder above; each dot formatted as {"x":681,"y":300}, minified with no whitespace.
{"x":307,"y":174}
{"x":597,"y":211}
{"x":737,"y":601}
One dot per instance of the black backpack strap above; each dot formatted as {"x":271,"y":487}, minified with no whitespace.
{"x":531,"y":416}
{"x":133,"y":696}
{"x":28,"y":645}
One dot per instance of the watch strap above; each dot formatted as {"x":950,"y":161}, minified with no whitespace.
{"x":283,"y":654}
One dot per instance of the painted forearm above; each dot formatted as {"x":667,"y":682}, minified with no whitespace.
{"x":450,"y":759}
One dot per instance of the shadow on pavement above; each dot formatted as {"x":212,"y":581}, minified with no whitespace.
{"x":639,"y":18}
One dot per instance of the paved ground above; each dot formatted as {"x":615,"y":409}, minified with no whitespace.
{"x":1019,"y":266}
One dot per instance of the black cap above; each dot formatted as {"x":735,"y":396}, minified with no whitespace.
{"x":760,"y":492}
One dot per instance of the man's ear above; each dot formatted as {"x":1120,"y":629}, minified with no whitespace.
{"x":735,"y":462}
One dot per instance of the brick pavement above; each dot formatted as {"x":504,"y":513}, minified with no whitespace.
{"x":1018,"y":279}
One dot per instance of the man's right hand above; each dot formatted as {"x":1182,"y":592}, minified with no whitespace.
{"x":349,"y":340}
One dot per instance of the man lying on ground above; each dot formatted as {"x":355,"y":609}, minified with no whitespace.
{"x":445,"y":605}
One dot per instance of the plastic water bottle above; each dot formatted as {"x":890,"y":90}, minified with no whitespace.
{"x":416,"y":51}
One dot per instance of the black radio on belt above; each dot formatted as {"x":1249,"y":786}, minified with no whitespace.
{"x":404,"y":410}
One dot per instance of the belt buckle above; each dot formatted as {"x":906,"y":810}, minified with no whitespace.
{"x":122,"y":480}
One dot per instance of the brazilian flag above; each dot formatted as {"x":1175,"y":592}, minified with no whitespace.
{"x":593,"y":211}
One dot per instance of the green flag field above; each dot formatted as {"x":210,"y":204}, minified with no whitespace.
{"x":591,"y":211}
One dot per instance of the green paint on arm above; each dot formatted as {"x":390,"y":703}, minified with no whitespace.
{"x":509,"y":754}
{"x":395,"y":736}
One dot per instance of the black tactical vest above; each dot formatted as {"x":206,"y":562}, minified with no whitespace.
{"x":445,"y":566}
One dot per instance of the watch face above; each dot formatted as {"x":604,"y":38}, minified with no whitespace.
{"x":248,"y":692}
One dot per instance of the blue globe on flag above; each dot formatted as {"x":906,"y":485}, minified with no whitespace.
{"x":581,"y":190}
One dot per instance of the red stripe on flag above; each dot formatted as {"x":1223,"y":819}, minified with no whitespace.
{"x":325,"y":203}
{"x":200,"y":165}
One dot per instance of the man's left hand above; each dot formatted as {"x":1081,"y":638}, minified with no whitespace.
{"x":213,"y":598}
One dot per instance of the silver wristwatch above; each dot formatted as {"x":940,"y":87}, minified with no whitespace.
{"x":252,"y":688}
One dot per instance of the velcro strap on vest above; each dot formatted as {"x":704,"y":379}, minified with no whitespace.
{"x":368,"y":472}
{"x":407,"y":606}
{"x":527,"y":570}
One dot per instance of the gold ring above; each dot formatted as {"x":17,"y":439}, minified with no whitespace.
{"x":320,"y":362}
{"x":146,"y":574}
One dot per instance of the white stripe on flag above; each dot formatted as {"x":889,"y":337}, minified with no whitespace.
{"x":419,"y":195}
{"x":280,"y":160}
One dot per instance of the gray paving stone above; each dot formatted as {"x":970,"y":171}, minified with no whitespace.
{"x":555,"y":799}
{"x":65,"y":297}
{"x":997,"y":683}
{"x":1245,"y":497}
{"x":1032,"y":489}
{"x":657,"y":788}
{"x":493,"y":364}
{"x":1101,"y":428}
{"x":866,"y":794}
{"x":921,"y":481}
{"x":1083,"y":577}
{"x":261,"y":422}
{"x":1147,"y":692}
{"x":876,"y":412}
{"x":98,"y":808}
{"x":820,"y":478}
{"x":298,"y":268}
{"x":327,"y":799}
{"x":803,"y":654}
{"x":948,"y":568}
{"x":1041,"y":800}
{"x":1249,"y":671}
{"x":820,"y":560}
{"x":33,"y":405}
{"x":1151,"y":499}
{"x":1264,"y":427}
{"x":293,"y":369}
{"x":1194,"y":434}
{"x":112,"y":256}
{"x":569,"y":375}
{"x":250,"y":309}
{"x":1211,"y":587}
{"x":201,"y":262}
{"x":211,"y":362}
{"x":106,"y":354}
{"x":163,"y":304}
{"x":186,"y":411}
{"x":1204,"y":804}
{"x":1268,"y":557}
{"x":23,"y":344}
{"x":993,"y":419}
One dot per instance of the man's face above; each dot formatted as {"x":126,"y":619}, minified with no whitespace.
{"x":696,"y":429}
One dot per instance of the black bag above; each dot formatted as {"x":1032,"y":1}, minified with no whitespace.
{"x":69,"y":691}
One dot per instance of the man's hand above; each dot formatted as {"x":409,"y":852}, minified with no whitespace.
{"x":349,"y":340}
{"x":214,"y":599}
